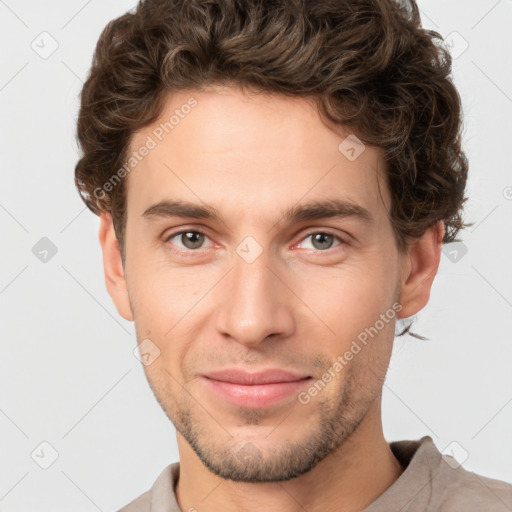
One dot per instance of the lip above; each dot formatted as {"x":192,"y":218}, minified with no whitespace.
{"x":268,"y":376}
{"x":254,"y":390}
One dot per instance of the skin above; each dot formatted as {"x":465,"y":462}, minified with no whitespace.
{"x":297,"y":306}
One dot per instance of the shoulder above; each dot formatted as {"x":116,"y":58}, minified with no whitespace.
{"x":161,"y":495}
{"x":435,"y":482}
{"x":140,"y":504}
{"x":465,"y":490}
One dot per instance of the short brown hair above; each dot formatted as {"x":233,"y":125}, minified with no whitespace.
{"x":369,"y":64}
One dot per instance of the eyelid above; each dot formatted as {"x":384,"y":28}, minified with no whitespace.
{"x":184,"y":230}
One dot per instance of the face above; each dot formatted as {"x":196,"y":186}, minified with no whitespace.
{"x":272,"y":281}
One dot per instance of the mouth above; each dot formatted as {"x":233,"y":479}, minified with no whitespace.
{"x":255,"y":390}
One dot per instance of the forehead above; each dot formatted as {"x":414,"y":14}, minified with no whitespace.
{"x":249,"y":153}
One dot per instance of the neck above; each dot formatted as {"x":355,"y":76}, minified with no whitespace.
{"x":347,"y":480}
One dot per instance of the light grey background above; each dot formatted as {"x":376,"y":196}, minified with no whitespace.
{"x":68,"y":376}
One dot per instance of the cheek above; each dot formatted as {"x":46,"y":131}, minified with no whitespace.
{"x":160,"y":295}
{"x":350,"y":298}
{"x":167,"y":306}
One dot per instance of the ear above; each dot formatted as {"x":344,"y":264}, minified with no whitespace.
{"x":113,"y":267}
{"x":419,"y":268}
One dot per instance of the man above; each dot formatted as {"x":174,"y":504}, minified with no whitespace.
{"x":275,"y":180}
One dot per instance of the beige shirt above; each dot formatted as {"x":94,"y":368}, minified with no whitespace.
{"x":431,"y":482}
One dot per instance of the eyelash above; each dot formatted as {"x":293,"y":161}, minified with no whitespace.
{"x":191,"y":252}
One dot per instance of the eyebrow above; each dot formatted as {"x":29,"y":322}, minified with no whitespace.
{"x":314,"y":210}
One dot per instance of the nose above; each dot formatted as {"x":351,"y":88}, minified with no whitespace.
{"x":254,"y":302}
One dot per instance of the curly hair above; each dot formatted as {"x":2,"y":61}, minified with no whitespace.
{"x":369,"y":65}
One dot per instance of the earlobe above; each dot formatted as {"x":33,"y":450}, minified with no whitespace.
{"x":113,"y":267}
{"x":419,"y":269}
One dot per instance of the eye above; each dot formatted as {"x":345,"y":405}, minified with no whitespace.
{"x":322,"y":240}
{"x":190,"y":239}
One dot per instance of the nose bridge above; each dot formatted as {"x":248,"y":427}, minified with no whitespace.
{"x":254,"y":302}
